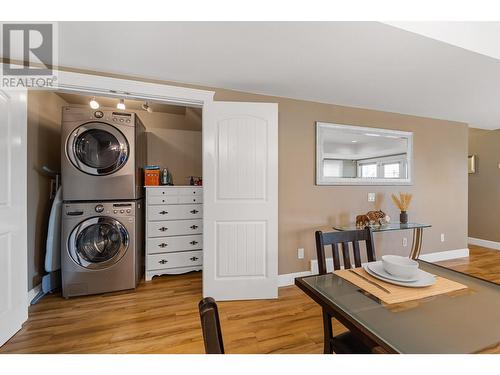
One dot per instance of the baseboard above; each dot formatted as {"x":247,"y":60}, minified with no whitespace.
{"x":484,"y":243}
{"x":445,"y":255}
{"x":33,"y":292}
{"x":315,"y":268}
{"x":289,"y":278}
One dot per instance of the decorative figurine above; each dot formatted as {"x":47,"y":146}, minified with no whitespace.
{"x":362,"y":221}
{"x":372,"y":218}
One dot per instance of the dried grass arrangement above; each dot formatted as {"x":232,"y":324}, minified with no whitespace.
{"x":403,"y":202}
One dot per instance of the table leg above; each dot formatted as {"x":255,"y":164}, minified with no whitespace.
{"x":417,"y":243}
{"x":327,"y":333}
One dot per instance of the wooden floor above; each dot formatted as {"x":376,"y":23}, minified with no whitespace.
{"x":162,"y":317}
{"x":483,"y":263}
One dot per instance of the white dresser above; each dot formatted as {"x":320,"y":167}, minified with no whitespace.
{"x":174,"y":227}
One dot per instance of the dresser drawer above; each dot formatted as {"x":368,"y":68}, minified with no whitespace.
{"x":174,"y":199}
{"x":174,"y":228}
{"x":153,"y":199}
{"x":174,"y":260}
{"x":173,"y":244}
{"x":175,"y":212}
{"x":166,"y":191}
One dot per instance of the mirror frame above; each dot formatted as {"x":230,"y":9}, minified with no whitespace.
{"x":325,"y":181}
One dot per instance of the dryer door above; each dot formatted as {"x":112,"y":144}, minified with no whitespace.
{"x":98,"y":242}
{"x":97,"y":148}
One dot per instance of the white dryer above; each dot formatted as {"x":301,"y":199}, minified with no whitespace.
{"x":102,"y":155}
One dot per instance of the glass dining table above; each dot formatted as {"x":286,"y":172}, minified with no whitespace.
{"x":417,"y":229}
{"x":459,"y":322}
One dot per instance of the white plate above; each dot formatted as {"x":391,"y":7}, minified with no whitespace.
{"x":378,"y":268}
{"x":424,"y":279}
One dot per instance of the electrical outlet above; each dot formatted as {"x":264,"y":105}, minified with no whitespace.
{"x":371,"y":197}
{"x":442,"y":237}
{"x":300,"y":253}
{"x":405,"y":241}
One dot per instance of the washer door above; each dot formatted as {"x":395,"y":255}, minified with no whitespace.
{"x":97,"y":148}
{"x":98,"y":242}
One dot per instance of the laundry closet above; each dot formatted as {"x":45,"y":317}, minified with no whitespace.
{"x":113,"y":228}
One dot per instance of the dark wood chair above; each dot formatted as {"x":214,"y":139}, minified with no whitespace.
{"x":345,"y":343}
{"x":210,"y":326}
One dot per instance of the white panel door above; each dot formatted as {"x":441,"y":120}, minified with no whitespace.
{"x":240,"y":178}
{"x":13,"y":237}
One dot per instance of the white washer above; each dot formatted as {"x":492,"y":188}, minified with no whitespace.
{"x":102,"y":154}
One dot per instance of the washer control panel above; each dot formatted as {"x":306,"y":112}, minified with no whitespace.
{"x":114,"y":209}
{"x":122,"y":209}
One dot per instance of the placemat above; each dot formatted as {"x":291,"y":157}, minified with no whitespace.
{"x":398,"y":294}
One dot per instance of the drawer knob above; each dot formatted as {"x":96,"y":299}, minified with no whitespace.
{"x":194,"y":242}
{"x":193,"y":227}
{"x":163,"y":261}
{"x":163,"y":229}
{"x":194,"y":211}
{"x":163,"y":244}
{"x":193,"y":259}
{"x":163,"y":212}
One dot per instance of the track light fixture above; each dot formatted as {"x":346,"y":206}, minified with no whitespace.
{"x":93,"y":103}
{"x":121,"y":105}
{"x":147,"y":107}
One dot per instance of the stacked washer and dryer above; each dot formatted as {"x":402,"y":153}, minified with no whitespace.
{"x":102,"y":156}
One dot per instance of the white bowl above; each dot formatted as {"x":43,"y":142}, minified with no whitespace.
{"x":400,"y":266}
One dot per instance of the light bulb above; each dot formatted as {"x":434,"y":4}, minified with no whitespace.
{"x":121,"y":105}
{"x":147,"y":107}
{"x":94,"y":104}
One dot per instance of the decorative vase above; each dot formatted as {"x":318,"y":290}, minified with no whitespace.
{"x":403,"y":217}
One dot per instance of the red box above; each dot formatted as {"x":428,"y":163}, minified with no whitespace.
{"x":152,"y":177}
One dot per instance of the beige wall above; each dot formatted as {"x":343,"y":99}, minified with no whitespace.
{"x":174,"y":142}
{"x":440,"y":175}
{"x":484,"y":194}
{"x":44,"y":132}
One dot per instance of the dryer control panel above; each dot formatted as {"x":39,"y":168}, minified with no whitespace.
{"x":121,"y":117}
{"x":102,"y":115}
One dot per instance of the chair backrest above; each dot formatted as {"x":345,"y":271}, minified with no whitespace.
{"x":210,"y":326}
{"x":343,"y":238}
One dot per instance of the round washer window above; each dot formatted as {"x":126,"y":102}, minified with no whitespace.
{"x":98,"y":242}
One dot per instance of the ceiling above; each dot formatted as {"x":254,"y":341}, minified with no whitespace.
{"x":362,"y":64}
{"x":480,"y":37}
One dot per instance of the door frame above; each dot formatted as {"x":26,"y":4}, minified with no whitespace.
{"x":89,"y":84}
{"x":82,"y":83}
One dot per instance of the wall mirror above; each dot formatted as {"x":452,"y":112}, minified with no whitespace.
{"x":355,"y":155}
